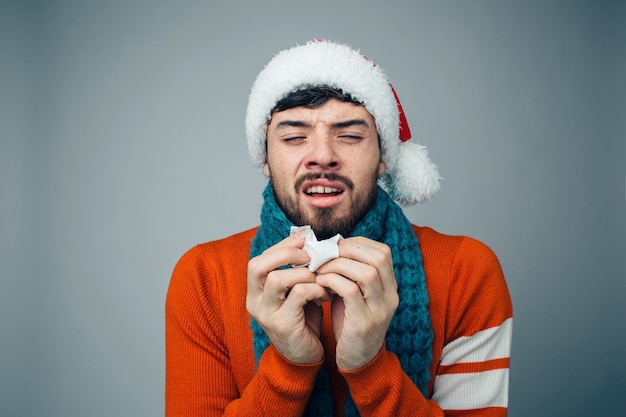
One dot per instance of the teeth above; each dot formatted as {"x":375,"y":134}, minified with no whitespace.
{"x":321,"y":190}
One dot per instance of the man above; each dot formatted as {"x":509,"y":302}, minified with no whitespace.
{"x":393,"y":319}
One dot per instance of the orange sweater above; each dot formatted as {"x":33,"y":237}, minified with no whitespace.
{"x":210,"y":365}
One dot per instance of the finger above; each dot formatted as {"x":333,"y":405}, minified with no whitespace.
{"x":302,"y":293}
{"x":345,"y":288}
{"x":362,"y":315}
{"x":281,"y":282}
{"x":289,"y":251}
{"x":373,"y":253}
{"x":366,"y":277}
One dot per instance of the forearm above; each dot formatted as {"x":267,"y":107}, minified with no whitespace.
{"x":200,"y":380}
{"x":382,"y":388}
{"x":279,"y":388}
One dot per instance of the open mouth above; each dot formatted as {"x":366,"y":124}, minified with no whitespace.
{"x":323,"y":196}
{"x":322,"y":191}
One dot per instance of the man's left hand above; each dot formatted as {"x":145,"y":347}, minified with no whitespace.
{"x":366,"y":299}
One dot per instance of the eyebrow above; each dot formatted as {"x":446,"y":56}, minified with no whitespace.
{"x":292,"y":123}
{"x":342,"y":124}
{"x":352,"y":122}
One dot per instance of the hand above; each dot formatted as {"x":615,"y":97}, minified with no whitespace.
{"x":287,"y":303}
{"x":366,"y":299}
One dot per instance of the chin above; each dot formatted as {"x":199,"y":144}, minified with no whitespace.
{"x":326,"y":225}
{"x":327,"y":222}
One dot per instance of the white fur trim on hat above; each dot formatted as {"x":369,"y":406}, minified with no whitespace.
{"x":410,"y":176}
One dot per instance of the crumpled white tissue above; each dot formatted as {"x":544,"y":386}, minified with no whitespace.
{"x":320,"y":251}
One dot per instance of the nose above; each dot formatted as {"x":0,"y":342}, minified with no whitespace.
{"x":322,"y":155}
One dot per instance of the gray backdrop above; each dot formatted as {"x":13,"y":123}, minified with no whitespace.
{"x":122,"y":145}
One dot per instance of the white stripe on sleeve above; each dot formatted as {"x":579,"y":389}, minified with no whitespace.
{"x":471,"y":391}
{"x":493,"y":343}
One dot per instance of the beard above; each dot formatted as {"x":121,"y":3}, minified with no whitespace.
{"x":327,"y":222}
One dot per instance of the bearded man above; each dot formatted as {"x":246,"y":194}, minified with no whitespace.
{"x":336,"y":305}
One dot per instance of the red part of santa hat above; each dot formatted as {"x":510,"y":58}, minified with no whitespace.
{"x":410,"y":176}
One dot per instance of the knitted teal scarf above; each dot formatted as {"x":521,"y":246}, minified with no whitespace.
{"x":410,"y":334}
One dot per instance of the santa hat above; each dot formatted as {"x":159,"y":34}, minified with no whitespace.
{"x":410,"y":177}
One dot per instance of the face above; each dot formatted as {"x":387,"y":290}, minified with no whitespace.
{"x":323,"y":164}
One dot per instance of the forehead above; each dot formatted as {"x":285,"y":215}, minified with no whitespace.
{"x":331,"y":112}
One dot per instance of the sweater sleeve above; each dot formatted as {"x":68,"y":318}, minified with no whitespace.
{"x":471,"y":379}
{"x":382,"y":388}
{"x":199,"y":375}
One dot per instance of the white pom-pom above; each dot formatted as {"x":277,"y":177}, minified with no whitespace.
{"x":414,"y":178}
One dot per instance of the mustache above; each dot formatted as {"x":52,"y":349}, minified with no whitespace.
{"x":328,"y":176}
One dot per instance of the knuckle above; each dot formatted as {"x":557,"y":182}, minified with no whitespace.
{"x":370,"y":275}
{"x":386,"y":250}
{"x":394,"y":301}
{"x":353,"y":290}
{"x":298,"y":291}
{"x":382,"y":256}
{"x":250,"y":306}
{"x":253,"y":266}
{"x":272,"y":282}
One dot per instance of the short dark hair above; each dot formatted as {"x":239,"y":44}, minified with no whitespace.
{"x":312,"y":97}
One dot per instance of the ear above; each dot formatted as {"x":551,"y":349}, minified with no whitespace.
{"x":381,"y":168}
{"x":266,"y":169}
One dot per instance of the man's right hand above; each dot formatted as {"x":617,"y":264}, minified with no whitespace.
{"x":287,"y":302}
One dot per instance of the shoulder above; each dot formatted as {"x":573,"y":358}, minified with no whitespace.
{"x":238,"y":241}
{"x":447,"y":248}
{"x":454,"y":258}
{"x":213,"y":263}
{"x":464,"y":275}
{"x":220,"y":250}
{"x":457,"y":257}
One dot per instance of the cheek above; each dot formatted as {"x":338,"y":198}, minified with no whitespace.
{"x":284,"y":166}
{"x":367,"y":165}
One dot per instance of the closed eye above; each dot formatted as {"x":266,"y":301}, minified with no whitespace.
{"x":350,"y":138}
{"x":292,"y":139}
